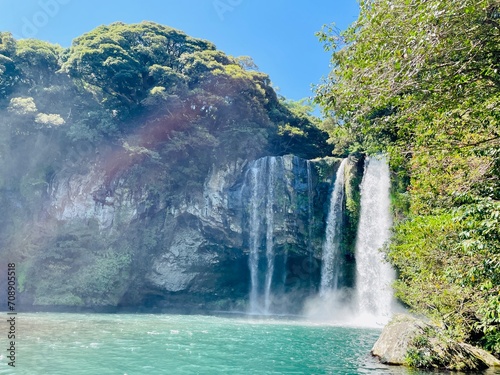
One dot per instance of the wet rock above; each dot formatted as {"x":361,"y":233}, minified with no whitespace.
{"x":105,"y":241}
{"x":409,"y":341}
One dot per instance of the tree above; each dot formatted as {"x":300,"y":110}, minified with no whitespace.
{"x":420,"y":79}
{"x":299,"y":131}
{"x":37,"y":61}
{"x":114,"y":61}
{"x":405,"y":59}
{"x":8,"y":71}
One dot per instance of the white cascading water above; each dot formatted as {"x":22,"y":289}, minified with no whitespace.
{"x":310,"y":205}
{"x":374,"y":276}
{"x":271,"y":171}
{"x":261,"y":182}
{"x":254,"y":224}
{"x":331,"y":245}
{"x":310,"y":216}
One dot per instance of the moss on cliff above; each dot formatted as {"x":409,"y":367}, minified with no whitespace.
{"x":353,"y":176}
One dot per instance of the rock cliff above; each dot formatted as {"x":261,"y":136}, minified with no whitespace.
{"x":121,"y":244}
{"x":124,"y":182}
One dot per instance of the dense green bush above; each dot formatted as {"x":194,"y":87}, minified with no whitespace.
{"x":420,"y":80}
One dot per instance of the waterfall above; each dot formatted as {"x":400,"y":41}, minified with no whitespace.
{"x":269,"y":232}
{"x":256,"y":187}
{"x":261,"y":181}
{"x":373,"y":274}
{"x":331,"y":246}
{"x":310,"y":203}
{"x":310,"y":216}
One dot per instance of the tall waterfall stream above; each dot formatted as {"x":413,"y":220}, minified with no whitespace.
{"x":374,"y":275}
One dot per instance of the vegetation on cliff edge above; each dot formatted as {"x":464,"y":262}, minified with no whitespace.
{"x":420,"y":80}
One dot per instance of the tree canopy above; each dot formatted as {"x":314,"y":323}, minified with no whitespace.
{"x":420,"y":79}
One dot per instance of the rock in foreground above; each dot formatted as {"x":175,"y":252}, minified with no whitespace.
{"x":412,"y":342}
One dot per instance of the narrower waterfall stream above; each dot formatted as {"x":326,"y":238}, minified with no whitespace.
{"x":261,"y":181}
{"x":258,"y":191}
{"x":271,"y":175}
{"x":310,"y":217}
{"x":374,"y":276}
{"x":331,"y":245}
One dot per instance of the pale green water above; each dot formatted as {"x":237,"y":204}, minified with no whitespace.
{"x":99,"y":344}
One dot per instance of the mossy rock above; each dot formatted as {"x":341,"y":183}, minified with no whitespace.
{"x":326,"y":167}
{"x":412,"y":342}
{"x":353,"y":176}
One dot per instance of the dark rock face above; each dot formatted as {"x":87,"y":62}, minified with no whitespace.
{"x":98,"y":243}
{"x":128,"y":193}
{"x":410,"y":341}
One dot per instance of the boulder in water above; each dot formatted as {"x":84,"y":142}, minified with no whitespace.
{"x":409,"y":341}
{"x":393,"y":343}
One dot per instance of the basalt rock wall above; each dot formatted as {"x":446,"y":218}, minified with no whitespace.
{"x":96,"y":244}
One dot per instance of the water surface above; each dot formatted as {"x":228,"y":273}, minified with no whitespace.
{"x":101,"y":344}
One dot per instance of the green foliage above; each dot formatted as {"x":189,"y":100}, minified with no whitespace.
{"x":76,"y":266}
{"x":21,"y":276}
{"x":117,"y":78}
{"x":489,"y":324}
{"x":290,"y":131}
{"x":299,"y":131}
{"x":32,"y":187}
{"x":49,"y":120}
{"x":22,"y":106}
{"x":8,"y":73}
{"x":247,"y":63}
{"x":447,"y":272}
{"x":418,"y":359}
{"x":353,"y":178}
{"x":420,"y":80}
{"x":37,"y":61}
{"x":103,"y":274}
{"x":399,"y":195}
{"x":480,"y":246}
{"x":117,"y":62}
{"x":399,"y":57}
{"x":415,"y":76}
{"x":420,"y":353}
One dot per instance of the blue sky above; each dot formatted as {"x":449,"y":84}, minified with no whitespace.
{"x":277,"y":34}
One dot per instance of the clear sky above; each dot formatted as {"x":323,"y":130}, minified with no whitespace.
{"x":277,"y":34}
